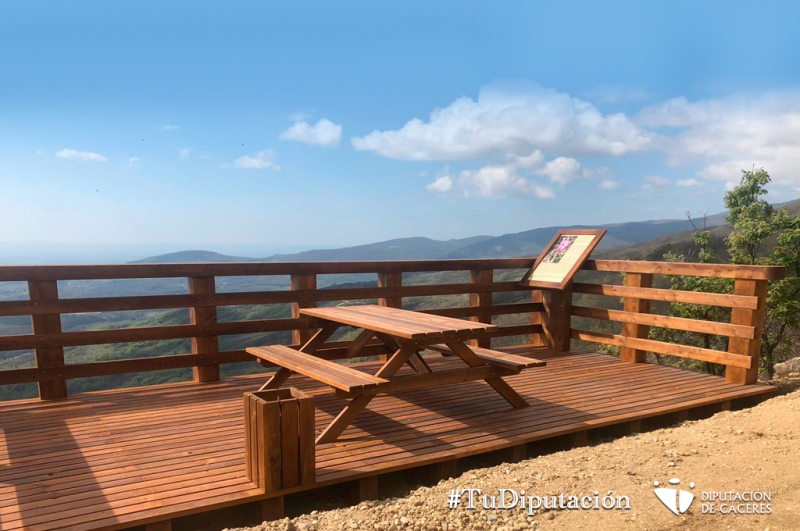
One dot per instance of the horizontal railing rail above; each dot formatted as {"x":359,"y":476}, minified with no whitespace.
{"x":46,"y":309}
{"x":237,"y":269}
{"x":747,"y":303}
{"x":549,"y":323}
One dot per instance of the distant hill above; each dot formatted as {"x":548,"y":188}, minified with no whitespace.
{"x":400,"y":249}
{"x":531,"y":242}
{"x":191,"y":257}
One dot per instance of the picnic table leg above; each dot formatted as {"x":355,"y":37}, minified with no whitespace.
{"x":397,"y":360}
{"x":357,"y":405}
{"x":418,"y":364}
{"x":277,"y":379}
{"x":318,"y":339}
{"x":415,"y":360}
{"x":497,"y":383}
{"x":344,"y":419}
{"x":359,"y":342}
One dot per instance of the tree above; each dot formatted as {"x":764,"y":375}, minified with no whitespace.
{"x":765,"y":236}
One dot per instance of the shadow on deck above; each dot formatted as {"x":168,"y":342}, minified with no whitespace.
{"x":115,"y":459}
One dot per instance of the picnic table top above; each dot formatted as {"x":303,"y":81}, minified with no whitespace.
{"x":396,"y":322}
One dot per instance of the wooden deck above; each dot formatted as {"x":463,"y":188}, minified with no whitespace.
{"x":115,"y":459}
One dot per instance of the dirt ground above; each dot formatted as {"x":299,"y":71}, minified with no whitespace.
{"x":732,"y":452}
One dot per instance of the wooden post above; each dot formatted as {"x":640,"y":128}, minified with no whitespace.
{"x":46,"y":290}
{"x":517,"y":453}
{"x":303,"y":282}
{"x":447,"y":469}
{"x":636,"y":280}
{"x":754,"y":318}
{"x":556,"y":318}
{"x":366,"y":489}
{"x":279,"y":438}
{"x":483,"y":299}
{"x":271,"y":508}
{"x":537,"y":340}
{"x":207,"y":316}
{"x":579,"y":438}
{"x":389,"y":280}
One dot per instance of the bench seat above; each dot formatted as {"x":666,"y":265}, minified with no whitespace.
{"x":331,"y":373}
{"x":495,"y":357}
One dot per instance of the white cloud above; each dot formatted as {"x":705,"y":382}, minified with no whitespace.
{"x":728,"y":134}
{"x":608,"y":184}
{"x":493,"y":182}
{"x":533,"y":160}
{"x":323,"y":133}
{"x":562,"y":170}
{"x":441,"y":184}
{"x":133,"y":161}
{"x":262,"y":159}
{"x":170,"y":127}
{"x":80,"y":155}
{"x":510,"y":119}
{"x":522,"y":125}
{"x":184,"y":153}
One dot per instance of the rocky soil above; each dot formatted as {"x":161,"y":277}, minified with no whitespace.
{"x":747,"y":450}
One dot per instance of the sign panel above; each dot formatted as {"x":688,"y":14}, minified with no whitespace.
{"x":562,"y":258}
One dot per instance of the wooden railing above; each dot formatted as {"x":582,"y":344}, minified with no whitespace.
{"x":549,"y":323}
{"x":747,"y":303}
{"x":46,"y":308}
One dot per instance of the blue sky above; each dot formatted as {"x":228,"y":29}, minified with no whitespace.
{"x":258,"y":126}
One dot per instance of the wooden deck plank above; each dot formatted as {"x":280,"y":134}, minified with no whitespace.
{"x":114,"y":459}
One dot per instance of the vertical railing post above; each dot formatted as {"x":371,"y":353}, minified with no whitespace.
{"x":47,"y":290}
{"x":389,"y":280}
{"x":556,"y":318}
{"x":302,"y":282}
{"x":754,"y":318}
{"x":205,"y":316}
{"x":481,"y":299}
{"x":537,"y":340}
{"x":633,"y":305}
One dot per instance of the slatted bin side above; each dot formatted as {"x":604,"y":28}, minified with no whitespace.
{"x":279,"y":438}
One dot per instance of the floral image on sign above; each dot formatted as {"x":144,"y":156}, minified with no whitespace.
{"x":557,"y":252}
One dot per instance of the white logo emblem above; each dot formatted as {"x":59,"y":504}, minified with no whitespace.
{"x":677,"y":501}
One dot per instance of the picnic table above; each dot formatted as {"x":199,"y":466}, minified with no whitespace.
{"x":406,"y":333}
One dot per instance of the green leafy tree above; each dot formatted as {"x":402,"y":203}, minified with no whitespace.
{"x":765,"y":236}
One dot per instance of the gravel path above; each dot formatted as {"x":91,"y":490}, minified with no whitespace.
{"x":741,"y":451}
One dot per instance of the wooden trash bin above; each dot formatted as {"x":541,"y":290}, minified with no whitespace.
{"x":279,"y":438}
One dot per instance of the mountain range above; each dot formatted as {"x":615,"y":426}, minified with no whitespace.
{"x":525,"y":243}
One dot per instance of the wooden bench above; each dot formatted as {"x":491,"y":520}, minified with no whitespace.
{"x":495,"y":357}
{"x":328,"y":372}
